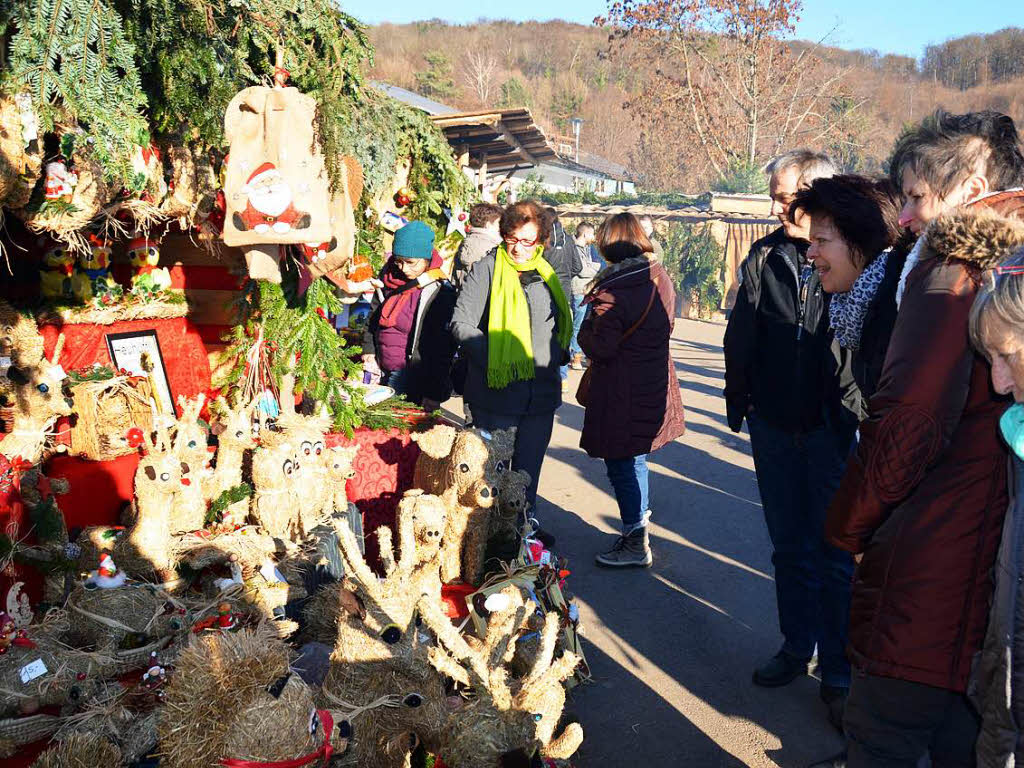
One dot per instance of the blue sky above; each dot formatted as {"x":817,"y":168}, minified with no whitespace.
{"x":890,"y":26}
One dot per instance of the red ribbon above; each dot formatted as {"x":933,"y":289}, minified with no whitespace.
{"x":323,"y":753}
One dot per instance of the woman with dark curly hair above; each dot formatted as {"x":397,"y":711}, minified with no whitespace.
{"x":513,"y":323}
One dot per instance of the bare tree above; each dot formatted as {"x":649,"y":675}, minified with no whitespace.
{"x":725,"y":77}
{"x":479,"y":73}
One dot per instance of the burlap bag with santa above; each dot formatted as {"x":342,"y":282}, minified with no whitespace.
{"x":276,"y":186}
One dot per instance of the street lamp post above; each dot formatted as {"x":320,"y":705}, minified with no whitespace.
{"x":577,"y":123}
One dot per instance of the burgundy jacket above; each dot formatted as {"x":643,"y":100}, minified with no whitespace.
{"x":634,"y":404}
{"x":924,"y":496}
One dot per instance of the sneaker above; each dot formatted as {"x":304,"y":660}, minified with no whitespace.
{"x":577,"y":363}
{"x":780,"y":670}
{"x":836,"y":761}
{"x":834,"y":697}
{"x":630,"y":550}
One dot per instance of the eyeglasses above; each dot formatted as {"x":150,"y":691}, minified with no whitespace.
{"x":511,"y":242}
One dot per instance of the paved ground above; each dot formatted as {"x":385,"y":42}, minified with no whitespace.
{"x":672,"y":648}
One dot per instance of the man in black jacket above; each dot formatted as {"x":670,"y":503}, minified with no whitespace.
{"x":776,"y":362}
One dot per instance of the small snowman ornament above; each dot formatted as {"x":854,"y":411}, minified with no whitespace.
{"x":107,"y":576}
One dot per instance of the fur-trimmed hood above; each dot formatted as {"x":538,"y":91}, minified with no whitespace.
{"x":977,"y":236}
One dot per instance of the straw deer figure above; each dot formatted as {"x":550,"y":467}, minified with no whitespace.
{"x":379,"y":661}
{"x":189,"y":511}
{"x":507,"y":715}
{"x":463,"y":467}
{"x":289,"y":471}
{"x":236,"y":437}
{"x":35,"y":390}
{"x":382,"y":628}
{"x":308,"y":435}
{"x":145,"y":547}
{"x":340,"y":469}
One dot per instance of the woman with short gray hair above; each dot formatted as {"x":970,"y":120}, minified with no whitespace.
{"x":997,"y":331}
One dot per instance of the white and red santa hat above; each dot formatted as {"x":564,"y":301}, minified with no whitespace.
{"x":264,"y":172}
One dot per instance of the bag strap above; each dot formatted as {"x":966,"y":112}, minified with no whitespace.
{"x":650,"y":303}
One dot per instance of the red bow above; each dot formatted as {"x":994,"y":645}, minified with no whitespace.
{"x":323,"y":753}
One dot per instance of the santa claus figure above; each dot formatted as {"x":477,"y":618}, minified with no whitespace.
{"x":60,"y":182}
{"x":270,"y":204}
{"x":107,"y":576}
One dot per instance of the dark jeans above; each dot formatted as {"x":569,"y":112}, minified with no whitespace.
{"x":797,"y":475}
{"x":533,"y":433}
{"x":630,"y":480}
{"x":893,"y":723}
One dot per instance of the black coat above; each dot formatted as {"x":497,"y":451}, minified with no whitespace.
{"x":430,"y":348}
{"x":777,"y":342}
{"x":854,"y":376}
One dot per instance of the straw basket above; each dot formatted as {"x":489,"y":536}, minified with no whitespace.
{"x":106,"y":410}
{"x":25,"y":730}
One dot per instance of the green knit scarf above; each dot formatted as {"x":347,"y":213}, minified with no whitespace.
{"x":509,"y":340}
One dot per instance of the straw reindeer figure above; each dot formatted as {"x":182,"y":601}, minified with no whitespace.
{"x":289,"y":471}
{"x":146,"y":546}
{"x":308,"y":436}
{"x":340,"y":469}
{"x":463,"y":467}
{"x":381,"y":628}
{"x":237,"y":436}
{"x":379,"y":661}
{"x":189,"y":512}
{"x":36,"y":391}
{"x":506,"y":715}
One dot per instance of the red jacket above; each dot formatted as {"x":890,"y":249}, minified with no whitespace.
{"x":634,"y":404}
{"x":924,"y":496}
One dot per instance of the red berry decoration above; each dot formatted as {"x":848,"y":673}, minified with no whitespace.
{"x":134,"y":437}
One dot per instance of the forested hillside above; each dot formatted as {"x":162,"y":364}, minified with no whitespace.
{"x":561,"y":70}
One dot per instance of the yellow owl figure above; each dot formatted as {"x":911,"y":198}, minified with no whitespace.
{"x":93,"y":277}
{"x":55,"y":278}
{"x":143,"y":256}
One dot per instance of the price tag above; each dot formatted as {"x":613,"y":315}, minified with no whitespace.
{"x":33,"y":670}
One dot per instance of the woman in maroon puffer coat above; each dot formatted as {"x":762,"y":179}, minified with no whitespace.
{"x":633,"y":405}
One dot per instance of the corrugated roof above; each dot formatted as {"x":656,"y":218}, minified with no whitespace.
{"x":505,"y":138}
{"x":412,"y":99}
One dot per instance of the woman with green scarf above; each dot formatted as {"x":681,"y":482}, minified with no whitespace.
{"x":513,"y":324}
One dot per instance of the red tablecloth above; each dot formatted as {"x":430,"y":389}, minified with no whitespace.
{"x":384,"y":470}
{"x":188,"y":369}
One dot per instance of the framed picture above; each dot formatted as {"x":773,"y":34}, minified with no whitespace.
{"x":138,"y":352}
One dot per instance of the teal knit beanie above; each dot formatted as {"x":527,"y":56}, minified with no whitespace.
{"x":414,"y":241}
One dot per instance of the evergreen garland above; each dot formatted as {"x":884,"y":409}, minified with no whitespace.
{"x":215,"y":512}
{"x":303,"y":342}
{"x":74,"y":59}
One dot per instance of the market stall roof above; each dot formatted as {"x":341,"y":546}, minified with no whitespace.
{"x":501,"y":138}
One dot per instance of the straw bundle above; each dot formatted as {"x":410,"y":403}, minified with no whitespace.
{"x":65,"y":222}
{"x":106,"y":410}
{"x":222,"y":702}
{"x":80,"y":750}
{"x":171,"y":306}
{"x":247,"y":545}
{"x":19,"y":168}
